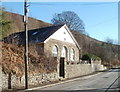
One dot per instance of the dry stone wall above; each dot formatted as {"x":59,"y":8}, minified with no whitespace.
{"x":71,"y":70}
{"x":78,"y":70}
{"x":17,"y":82}
{"x":82,"y":69}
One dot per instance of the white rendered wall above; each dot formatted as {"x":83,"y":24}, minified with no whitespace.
{"x":62,"y":35}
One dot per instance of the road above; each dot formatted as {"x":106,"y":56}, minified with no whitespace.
{"x":102,"y":82}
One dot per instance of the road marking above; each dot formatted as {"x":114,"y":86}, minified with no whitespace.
{"x":112,"y":84}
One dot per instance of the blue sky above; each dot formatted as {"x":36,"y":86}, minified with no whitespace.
{"x":100,"y":18}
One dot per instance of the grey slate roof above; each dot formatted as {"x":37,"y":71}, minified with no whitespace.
{"x":40,"y":35}
{"x":35,"y":35}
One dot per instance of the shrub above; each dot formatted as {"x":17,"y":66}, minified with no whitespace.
{"x":115,"y":62}
{"x":89,"y":56}
{"x":13,"y":62}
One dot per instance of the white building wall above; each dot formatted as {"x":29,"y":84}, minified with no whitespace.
{"x":62,"y":35}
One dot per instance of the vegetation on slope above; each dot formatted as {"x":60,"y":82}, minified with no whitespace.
{"x":5,"y":24}
{"x":32,"y":22}
{"x":90,"y":56}
{"x":13,"y":61}
{"x":108,"y":52}
{"x":15,"y":23}
{"x":13,"y":56}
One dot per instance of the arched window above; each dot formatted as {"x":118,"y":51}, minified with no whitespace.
{"x":64,"y":52}
{"x":55,"y":51}
{"x":72,"y":55}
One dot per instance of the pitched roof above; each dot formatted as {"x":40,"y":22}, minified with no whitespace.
{"x":37,"y":35}
{"x":40,"y":35}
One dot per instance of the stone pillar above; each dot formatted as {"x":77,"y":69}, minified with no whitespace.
{"x":65,"y":69}
{"x":58,"y":67}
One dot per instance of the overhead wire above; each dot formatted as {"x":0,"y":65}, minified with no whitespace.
{"x":74,"y":3}
{"x":81,"y":3}
{"x":102,"y":22}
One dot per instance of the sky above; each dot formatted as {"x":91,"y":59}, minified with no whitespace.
{"x":100,"y":18}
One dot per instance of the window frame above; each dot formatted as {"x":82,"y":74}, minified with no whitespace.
{"x":64,"y":52}
{"x":72,"y":55}
{"x":55,"y":51}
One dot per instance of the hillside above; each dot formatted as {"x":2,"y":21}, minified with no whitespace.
{"x":18,"y":25}
{"x":107,"y":52}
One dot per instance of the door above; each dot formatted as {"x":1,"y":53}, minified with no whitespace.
{"x":62,"y":70}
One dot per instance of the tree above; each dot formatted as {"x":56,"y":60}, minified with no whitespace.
{"x":4,"y":23}
{"x":109,"y":40}
{"x":71,"y":19}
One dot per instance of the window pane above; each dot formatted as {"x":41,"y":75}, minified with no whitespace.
{"x":72,"y":55}
{"x":55,"y":51}
{"x":64,"y":52}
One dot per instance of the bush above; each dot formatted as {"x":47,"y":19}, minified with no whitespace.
{"x":115,"y":62}
{"x":42,"y":64}
{"x":89,"y":56}
{"x":13,"y":62}
{"x":86,"y":57}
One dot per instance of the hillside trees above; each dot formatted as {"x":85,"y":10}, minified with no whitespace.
{"x":71,"y":19}
{"x":109,"y":40}
{"x":4,"y":23}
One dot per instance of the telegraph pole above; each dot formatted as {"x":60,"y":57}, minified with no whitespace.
{"x":26,"y":43}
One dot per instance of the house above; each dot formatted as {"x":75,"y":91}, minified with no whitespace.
{"x":56,"y":41}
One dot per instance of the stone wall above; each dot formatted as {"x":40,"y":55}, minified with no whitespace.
{"x":82,"y":69}
{"x":49,"y":47}
{"x":98,"y":62}
{"x":40,"y":78}
{"x":12,"y":81}
{"x":78,"y":70}
{"x":17,"y":82}
{"x":72,"y":70}
{"x":98,"y":67}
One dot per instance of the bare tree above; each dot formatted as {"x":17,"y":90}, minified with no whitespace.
{"x":109,"y":40}
{"x":71,"y":19}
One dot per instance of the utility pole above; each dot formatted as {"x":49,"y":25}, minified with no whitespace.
{"x":26,"y":43}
